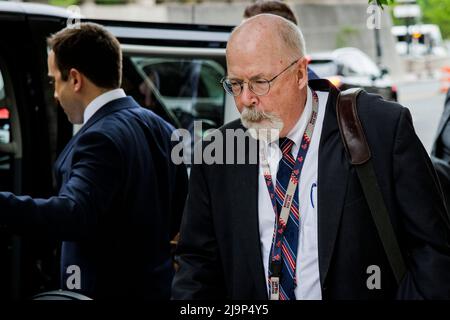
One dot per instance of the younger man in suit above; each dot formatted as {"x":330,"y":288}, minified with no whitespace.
{"x":120,"y":197}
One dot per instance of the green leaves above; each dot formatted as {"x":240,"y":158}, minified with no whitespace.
{"x":381,"y":3}
{"x":437,"y":12}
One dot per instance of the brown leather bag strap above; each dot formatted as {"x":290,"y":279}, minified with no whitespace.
{"x":351,"y":130}
{"x":358,"y":150}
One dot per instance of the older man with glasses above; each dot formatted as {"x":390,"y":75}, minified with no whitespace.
{"x":296,"y":225}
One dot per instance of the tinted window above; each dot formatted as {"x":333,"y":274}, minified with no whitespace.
{"x":179,"y":89}
{"x":324,"y":68}
{"x":2,"y":88}
{"x":357,"y":63}
{"x":5,"y":136}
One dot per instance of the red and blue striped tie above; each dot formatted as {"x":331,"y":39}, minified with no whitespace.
{"x":289,"y":240}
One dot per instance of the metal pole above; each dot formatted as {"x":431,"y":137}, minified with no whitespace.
{"x":408,"y":37}
{"x":379,"y":52}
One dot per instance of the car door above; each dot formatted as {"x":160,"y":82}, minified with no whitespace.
{"x":26,"y":132}
{"x":10,"y":169}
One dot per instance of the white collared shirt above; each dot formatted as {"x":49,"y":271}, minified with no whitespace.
{"x":100,"y":101}
{"x":307,"y":270}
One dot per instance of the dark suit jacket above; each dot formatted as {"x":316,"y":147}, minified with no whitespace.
{"x":220,"y":253}
{"x":441,"y":163}
{"x":120,"y":201}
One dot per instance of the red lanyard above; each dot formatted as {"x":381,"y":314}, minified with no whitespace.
{"x":281,"y":219}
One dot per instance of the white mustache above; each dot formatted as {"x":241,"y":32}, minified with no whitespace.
{"x":251,"y":114}
{"x":252,"y":119}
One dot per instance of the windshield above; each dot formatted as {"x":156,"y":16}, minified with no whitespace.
{"x":358,"y":64}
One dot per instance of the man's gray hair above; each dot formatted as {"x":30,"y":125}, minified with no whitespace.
{"x":289,"y":33}
{"x":293,"y":38}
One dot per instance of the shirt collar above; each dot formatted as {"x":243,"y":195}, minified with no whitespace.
{"x":296,"y":133}
{"x":100,"y":101}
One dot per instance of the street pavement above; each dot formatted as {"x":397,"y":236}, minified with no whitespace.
{"x":425,"y":101}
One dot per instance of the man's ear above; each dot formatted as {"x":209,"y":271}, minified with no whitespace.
{"x":76,"y":79}
{"x":302,"y":73}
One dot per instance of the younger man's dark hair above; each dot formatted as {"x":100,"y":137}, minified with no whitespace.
{"x":273,"y":7}
{"x":92,"y":50}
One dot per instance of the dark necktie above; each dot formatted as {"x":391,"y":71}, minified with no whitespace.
{"x":289,"y":240}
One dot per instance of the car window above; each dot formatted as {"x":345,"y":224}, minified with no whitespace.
{"x":323,"y":67}
{"x":5,"y":135}
{"x":357,"y":63}
{"x":2,"y":87}
{"x":181,"y":90}
{"x":4,"y":114}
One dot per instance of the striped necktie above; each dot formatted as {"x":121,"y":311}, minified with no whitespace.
{"x":289,"y":240}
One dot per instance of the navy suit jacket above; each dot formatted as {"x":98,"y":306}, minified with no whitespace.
{"x":442,"y":164}
{"x":443,"y":122}
{"x":120,"y":202}
{"x":220,"y":247}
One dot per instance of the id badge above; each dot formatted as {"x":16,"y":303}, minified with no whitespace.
{"x":275,"y":288}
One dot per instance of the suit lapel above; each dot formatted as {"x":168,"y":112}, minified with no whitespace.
{"x":333,"y":172}
{"x":246,"y":200}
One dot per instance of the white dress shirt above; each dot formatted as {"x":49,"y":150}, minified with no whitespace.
{"x":307,"y":267}
{"x":100,"y":101}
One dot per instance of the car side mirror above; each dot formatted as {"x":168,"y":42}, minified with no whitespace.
{"x":384,"y":71}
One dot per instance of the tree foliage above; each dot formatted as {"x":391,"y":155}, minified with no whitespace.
{"x":437,"y":12}
{"x":382,"y":3}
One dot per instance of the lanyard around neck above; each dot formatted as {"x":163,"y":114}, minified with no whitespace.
{"x":295,"y":175}
{"x":281,"y":219}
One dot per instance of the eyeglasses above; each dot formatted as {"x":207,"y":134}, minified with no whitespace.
{"x":260,"y":87}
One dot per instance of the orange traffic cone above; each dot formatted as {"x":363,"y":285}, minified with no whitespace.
{"x":445,"y":80}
